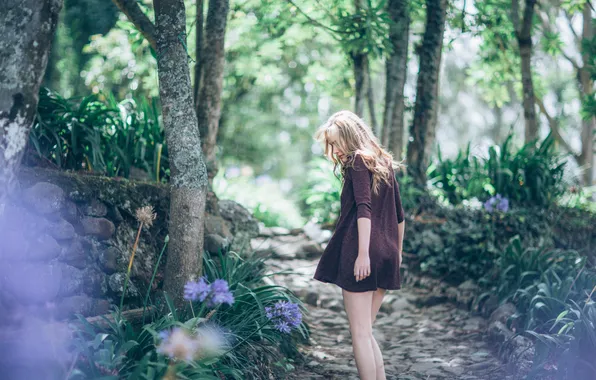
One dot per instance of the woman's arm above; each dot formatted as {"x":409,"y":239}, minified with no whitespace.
{"x":361,"y":186}
{"x":401,"y":226}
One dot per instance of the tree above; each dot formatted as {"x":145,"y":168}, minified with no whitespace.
{"x":422,"y":129}
{"x":396,"y":72}
{"x":211,"y":79}
{"x":27,"y":28}
{"x":586,"y":45}
{"x":523,"y":34}
{"x":188,"y":180}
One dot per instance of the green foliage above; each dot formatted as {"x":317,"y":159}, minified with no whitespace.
{"x":526,"y":177}
{"x":121,"y":350}
{"x":320,"y":194}
{"x":101,"y":136}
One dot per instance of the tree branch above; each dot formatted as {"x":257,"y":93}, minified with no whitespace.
{"x":515,"y":15}
{"x":313,"y":21}
{"x":135,"y":14}
{"x":575,"y":35}
{"x":546,"y":27}
{"x":554,"y":127}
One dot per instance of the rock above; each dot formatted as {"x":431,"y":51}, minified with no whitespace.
{"x":101,"y":228}
{"x":13,"y":245}
{"x":61,"y":230}
{"x":96,"y":208}
{"x":108,"y":259}
{"x":431,"y":300}
{"x":114,"y":214}
{"x":312,"y":298}
{"x":279,"y":231}
{"x":215,"y":225}
{"x":498,"y":332}
{"x":489,"y":305}
{"x":261,"y":246}
{"x":264,"y":231}
{"x":314,"y":232}
{"x":94,"y":283}
{"x":296,"y":231}
{"x":44,"y":248}
{"x":45,"y":198}
{"x":309,"y":250}
{"x":466,"y":292}
{"x":502,"y":313}
{"x":70,"y":306}
{"x":70,"y":212}
{"x":73,"y":281}
{"x":75,"y":254}
{"x":244,"y":226}
{"x":116,"y":285}
{"x":32,"y":282}
{"x":215,"y":244}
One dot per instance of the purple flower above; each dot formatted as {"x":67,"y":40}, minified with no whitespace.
{"x":197,"y":290}
{"x":284,"y":315}
{"x":220,"y":293}
{"x":497,"y":202}
{"x":503,"y":205}
{"x":164,"y":334}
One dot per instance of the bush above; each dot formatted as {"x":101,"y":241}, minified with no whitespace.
{"x":101,"y":136}
{"x":320,"y":195}
{"x":528,"y":177}
{"x":228,"y":330}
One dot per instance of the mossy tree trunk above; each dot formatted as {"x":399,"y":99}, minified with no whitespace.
{"x":422,"y":129}
{"x":27,"y":28}
{"x":188,"y":179}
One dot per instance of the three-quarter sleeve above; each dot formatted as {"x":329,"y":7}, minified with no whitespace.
{"x":361,"y":183}
{"x":398,"y":205}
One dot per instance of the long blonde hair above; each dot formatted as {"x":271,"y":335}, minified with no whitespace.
{"x":350,"y":133}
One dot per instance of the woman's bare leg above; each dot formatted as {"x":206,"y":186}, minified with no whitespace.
{"x":358,"y":306}
{"x":376,"y":305}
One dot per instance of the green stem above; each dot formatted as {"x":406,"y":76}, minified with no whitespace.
{"x":245,"y":339}
{"x":153,"y":277}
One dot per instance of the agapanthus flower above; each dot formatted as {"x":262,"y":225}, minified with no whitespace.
{"x":284,"y":315}
{"x":197,"y":290}
{"x":179,"y":344}
{"x":220,"y":293}
{"x":497,"y":202}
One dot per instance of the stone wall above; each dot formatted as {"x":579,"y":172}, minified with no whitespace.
{"x":66,"y":240}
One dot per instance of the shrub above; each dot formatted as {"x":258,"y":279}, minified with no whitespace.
{"x":228,"y":329}
{"x":532,"y":177}
{"x":102,"y":136}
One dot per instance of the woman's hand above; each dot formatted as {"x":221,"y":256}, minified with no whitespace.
{"x":362,"y":267}
{"x":399,"y":259}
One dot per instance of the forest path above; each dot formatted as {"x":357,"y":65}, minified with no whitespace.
{"x":417,"y":342}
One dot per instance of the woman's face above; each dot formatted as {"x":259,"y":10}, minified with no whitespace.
{"x":336,"y":150}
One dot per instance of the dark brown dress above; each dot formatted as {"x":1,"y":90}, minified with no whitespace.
{"x":385,"y":212}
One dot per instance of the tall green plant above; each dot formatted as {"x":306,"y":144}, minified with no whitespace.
{"x":103,"y":136}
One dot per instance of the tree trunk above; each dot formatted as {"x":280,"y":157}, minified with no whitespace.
{"x":27,"y":28}
{"x":198,"y":51}
{"x":396,"y":72}
{"x":370,"y":95}
{"x":188,"y":180}
{"x":523,"y":34}
{"x":422,"y":127}
{"x":360,"y":62}
{"x":586,"y":89}
{"x":213,"y":56}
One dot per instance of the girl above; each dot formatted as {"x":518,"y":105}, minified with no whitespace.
{"x":363,"y":256}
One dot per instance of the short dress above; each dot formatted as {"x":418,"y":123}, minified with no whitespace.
{"x":385,"y":211}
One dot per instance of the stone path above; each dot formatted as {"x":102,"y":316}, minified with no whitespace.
{"x":418,"y":342}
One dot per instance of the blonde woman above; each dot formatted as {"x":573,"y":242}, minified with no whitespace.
{"x":364,"y":254}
